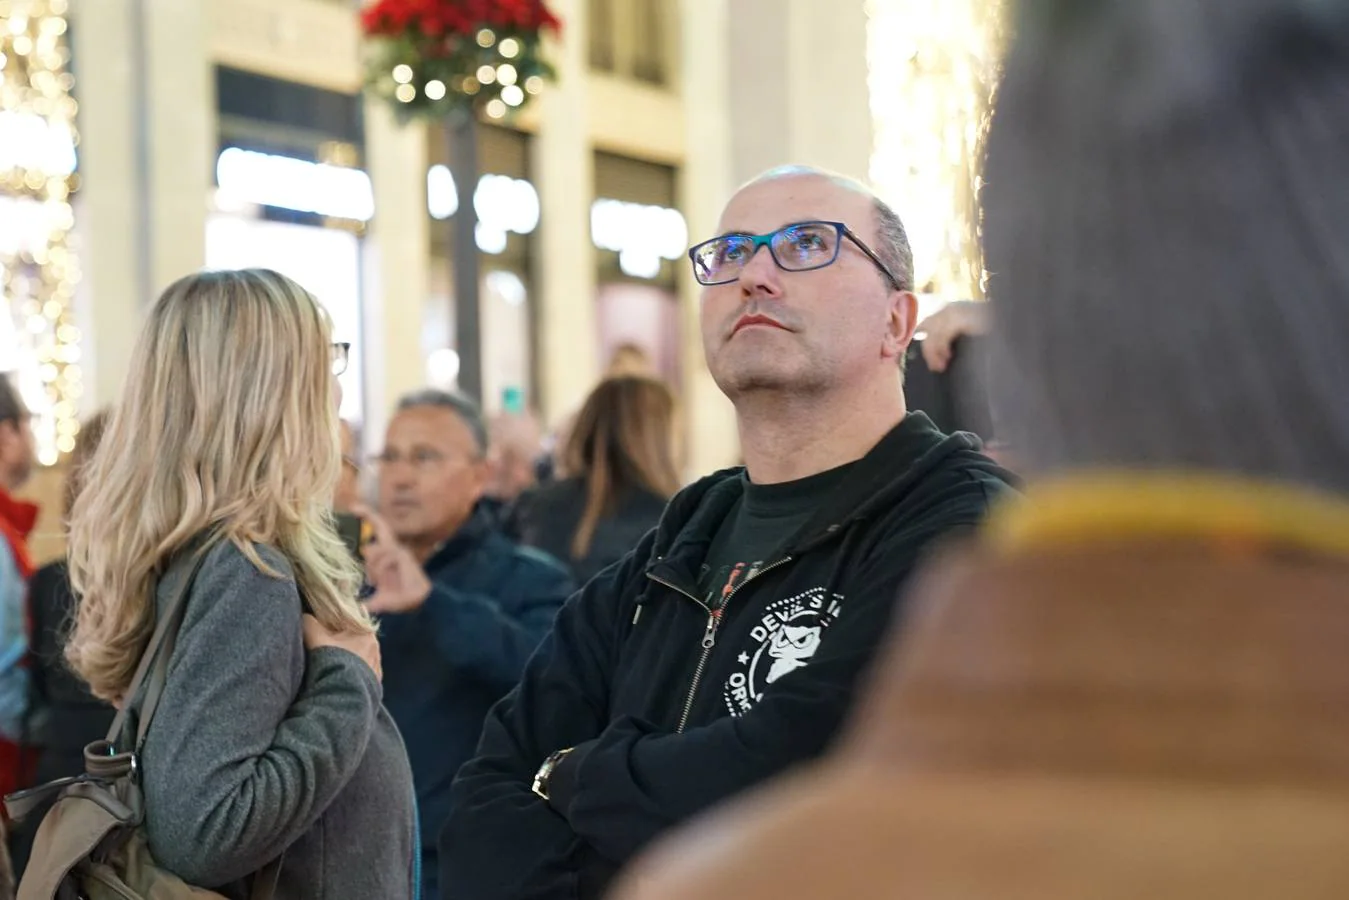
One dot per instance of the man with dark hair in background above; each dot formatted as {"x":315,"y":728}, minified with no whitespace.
{"x":461,"y":606}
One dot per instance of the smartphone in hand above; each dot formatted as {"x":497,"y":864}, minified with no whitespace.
{"x":353,"y":532}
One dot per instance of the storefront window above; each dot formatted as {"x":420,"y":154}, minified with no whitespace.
{"x":600,"y":23}
{"x":631,"y":38}
{"x":640,"y":239}
{"x":291,"y":196}
{"x":326,"y":261}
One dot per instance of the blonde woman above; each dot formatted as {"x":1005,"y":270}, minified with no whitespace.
{"x":270,"y":735}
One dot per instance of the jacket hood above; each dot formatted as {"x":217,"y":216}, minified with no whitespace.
{"x":907,"y":454}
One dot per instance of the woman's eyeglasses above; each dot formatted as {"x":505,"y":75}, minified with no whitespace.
{"x":341,"y":354}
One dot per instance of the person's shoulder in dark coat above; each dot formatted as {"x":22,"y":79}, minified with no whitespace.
{"x":63,"y":714}
{"x":547,"y":517}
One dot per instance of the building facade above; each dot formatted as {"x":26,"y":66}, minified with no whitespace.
{"x":210,"y":130}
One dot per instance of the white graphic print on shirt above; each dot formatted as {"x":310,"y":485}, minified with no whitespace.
{"x":786,"y":638}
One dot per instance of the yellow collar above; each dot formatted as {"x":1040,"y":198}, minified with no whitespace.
{"x":1223,"y":509}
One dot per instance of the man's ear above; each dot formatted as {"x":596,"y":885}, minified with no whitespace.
{"x":484,"y":473}
{"x":901,"y":320}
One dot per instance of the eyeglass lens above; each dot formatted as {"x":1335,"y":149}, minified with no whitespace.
{"x":810,"y":245}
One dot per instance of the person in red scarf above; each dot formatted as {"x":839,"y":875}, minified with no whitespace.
{"x":17,"y":519}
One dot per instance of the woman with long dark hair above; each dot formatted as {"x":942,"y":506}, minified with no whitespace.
{"x":618,"y":471}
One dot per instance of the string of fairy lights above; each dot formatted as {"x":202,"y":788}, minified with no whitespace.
{"x":933,"y":67}
{"x":39,"y":270}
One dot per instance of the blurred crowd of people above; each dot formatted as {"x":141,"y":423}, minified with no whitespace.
{"x":496,"y":662}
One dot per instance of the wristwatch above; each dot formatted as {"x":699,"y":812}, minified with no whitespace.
{"x":546,"y":771}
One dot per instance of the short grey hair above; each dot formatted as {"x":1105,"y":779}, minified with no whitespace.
{"x":463,"y":407}
{"x":892,"y":244}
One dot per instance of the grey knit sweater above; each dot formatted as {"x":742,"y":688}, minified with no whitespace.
{"x":259,"y":746}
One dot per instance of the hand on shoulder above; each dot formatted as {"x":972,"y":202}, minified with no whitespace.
{"x":366,"y":646}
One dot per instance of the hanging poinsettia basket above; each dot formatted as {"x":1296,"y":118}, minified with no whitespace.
{"x":435,"y":58}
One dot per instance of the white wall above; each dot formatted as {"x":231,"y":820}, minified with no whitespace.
{"x":798,"y":85}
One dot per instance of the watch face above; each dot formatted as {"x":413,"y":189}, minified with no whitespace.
{"x":540,"y":786}
{"x":541,"y":778}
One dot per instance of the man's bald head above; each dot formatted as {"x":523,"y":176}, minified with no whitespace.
{"x":838,"y":326}
{"x":891,"y":240}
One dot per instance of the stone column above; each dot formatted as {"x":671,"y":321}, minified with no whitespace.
{"x":180,"y":129}
{"x":397,"y":264}
{"x":109,"y":212}
{"x":565,"y":263}
{"x":147,"y":135}
{"x":707,"y":181}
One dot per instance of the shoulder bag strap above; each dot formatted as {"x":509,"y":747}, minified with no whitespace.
{"x":165,"y":635}
{"x":155,"y":663}
{"x":264,"y":883}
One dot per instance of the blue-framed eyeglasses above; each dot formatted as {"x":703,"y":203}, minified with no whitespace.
{"x":799,"y":247}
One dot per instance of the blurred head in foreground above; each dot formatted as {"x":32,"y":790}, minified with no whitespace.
{"x":1168,"y":231}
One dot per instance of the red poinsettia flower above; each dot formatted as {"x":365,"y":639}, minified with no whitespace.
{"x":545,"y":18}
{"x":437,"y":18}
{"x":388,"y":17}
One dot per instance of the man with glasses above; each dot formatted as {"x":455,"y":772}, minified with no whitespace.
{"x":461,"y":606}
{"x":727,"y":646}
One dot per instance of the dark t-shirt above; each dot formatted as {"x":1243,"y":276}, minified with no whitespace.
{"x":756,"y":528}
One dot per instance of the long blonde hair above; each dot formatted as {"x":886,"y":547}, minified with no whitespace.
{"x":622,"y":440}
{"x":227,"y":421}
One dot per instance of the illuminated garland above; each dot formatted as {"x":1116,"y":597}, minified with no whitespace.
{"x":933,"y":68}
{"x":39,"y":268}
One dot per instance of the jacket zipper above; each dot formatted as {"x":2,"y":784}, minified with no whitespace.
{"x":710,"y":633}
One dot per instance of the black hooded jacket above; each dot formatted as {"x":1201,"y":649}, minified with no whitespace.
{"x":672,"y":707}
